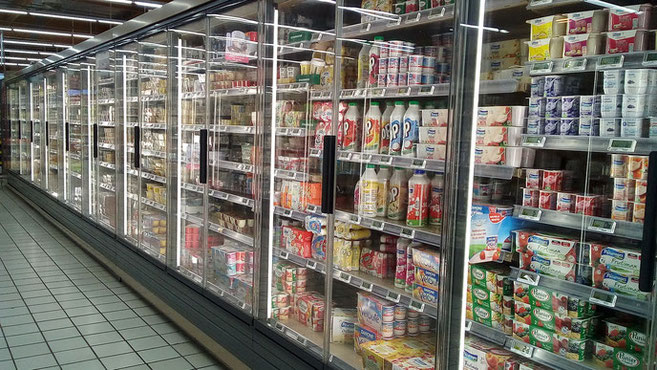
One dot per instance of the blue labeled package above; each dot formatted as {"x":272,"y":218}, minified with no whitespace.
{"x":424,"y":294}
{"x":426,"y":258}
{"x":363,"y":334}
{"x":491,"y":232}
{"x":426,"y":277}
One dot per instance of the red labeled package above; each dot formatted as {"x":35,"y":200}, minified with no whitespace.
{"x":588,"y":205}
{"x":546,"y":245}
{"x":297,"y":241}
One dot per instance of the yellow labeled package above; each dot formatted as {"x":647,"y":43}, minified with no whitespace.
{"x":545,"y":49}
{"x":546,"y":27}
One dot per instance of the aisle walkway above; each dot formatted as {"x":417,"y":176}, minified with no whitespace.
{"x":60,"y":309}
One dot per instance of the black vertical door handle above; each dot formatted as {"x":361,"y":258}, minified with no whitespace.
{"x":20,"y":137}
{"x":31,"y":131}
{"x":68,"y":136}
{"x":95,"y":133}
{"x":328,"y":174}
{"x":47,"y":134}
{"x":648,"y":243}
{"x":203,"y":171}
{"x":137,"y":148}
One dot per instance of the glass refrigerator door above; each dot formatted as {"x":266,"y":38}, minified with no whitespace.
{"x":87,"y":118}
{"x":569,"y":283}
{"x":73,"y":135}
{"x":14,"y":143}
{"x":105,"y":141}
{"x":188,"y":60}
{"x":36,"y":111}
{"x":150,"y":147}
{"x":54,"y":133}
{"x":26,"y":130}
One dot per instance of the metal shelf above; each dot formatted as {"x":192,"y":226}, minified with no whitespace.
{"x":154,"y":177}
{"x":600,"y":297}
{"x":292,"y":131}
{"x":111,"y":166}
{"x":218,"y":194}
{"x":234,"y":129}
{"x":105,"y":101}
{"x":290,"y":175}
{"x":235,"y":91}
{"x":295,"y":215}
{"x":154,"y":204}
{"x":106,"y":146}
{"x":233,"y":166}
{"x":107,"y":187}
{"x":591,"y":63}
{"x":192,"y":95}
{"x":76,"y":175}
{"x":150,"y":153}
{"x":591,"y":143}
{"x":150,"y":98}
{"x":106,"y":124}
{"x":74,"y":156}
{"x":297,"y":87}
{"x":154,"y":125}
{"x":228,"y":297}
{"x":576,"y":221}
{"x":219,"y":229}
{"x":383,"y":288}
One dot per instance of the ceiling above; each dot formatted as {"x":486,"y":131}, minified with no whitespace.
{"x":19,"y":28}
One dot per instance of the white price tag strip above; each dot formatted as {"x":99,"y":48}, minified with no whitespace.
{"x":529,"y":277}
{"x":603,"y":298}
{"x":407,"y":233}
{"x":521,"y":348}
{"x":284,"y":255}
{"x":534,"y":141}
{"x":542,"y":67}
{"x":419,"y":163}
{"x":603,"y":226}
{"x":531,"y":214}
{"x":311,"y":264}
{"x":611,"y":62}
{"x":378,"y":225}
{"x":366,"y":286}
{"x":392,"y":296}
{"x":366,"y":27}
{"x":354,"y":219}
{"x":416,"y":305}
{"x":650,"y":59}
{"x":414,"y":19}
{"x":621,"y":145}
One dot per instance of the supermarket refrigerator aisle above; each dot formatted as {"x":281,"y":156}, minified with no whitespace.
{"x":59,"y":308}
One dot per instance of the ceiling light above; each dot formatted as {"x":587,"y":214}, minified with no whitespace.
{"x":5,"y":29}
{"x":83,"y":36}
{"x":148,"y":5}
{"x":108,"y":21}
{"x":32,"y":43}
{"x":37,"y":14}
{"x":21,"y":58}
{"x":10,"y":11}
{"x":28,"y":52}
{"x":40,"y":32}
{"x":16,"y":64}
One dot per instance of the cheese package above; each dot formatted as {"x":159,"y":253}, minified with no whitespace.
{"x":502,"y":116}
{"x":499,"y":136}
{"x":551,"y":267}
{"x":434,"y":117}
{"x":431,"y":151}
{"x":626,"y":41}
{"x":501,"y":49}
{"x":545,"y":49}
{"x":546,"y":27}
{"x":587,"y":22}
{"x":433,"y":135}
{"x":506,"y":156}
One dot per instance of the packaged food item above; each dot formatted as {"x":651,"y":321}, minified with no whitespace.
{"x":342,"y":325}
{"x":621,"y":260}
{"x":587,"y":22}
{"x":619,"y":283}
{"x":552,"y":180}
{"x":482,"y":355}
{"x":547,"y":199}
{"x":611,"y":106}
{"x":619,"y":165}
{"x":536,"y":107}
{"x":637,"y":167}
{"x":572,"y":349}
{"x":630,"y":17}
{"x":576,"y":328}
{"x":550,"y":267}
{"x":433,"y":135}
{"x":621,"y":210}
{"x":566,"y":202}
{"x":535,"y":126}
{"x":373,"y":311}
{"x":634,"y":106}
{"x":537,"y":87}
{"x":546,"y":245}
{"x":364,"y":334}
{"x":638,"y":212}
{"x":509,"y":156}
{"x":545,"y":49}
{"x":588,"y":205}
{"x":553,"y":107}
{"x":626,"y":41}
{"x":569,"y":126}
{"x":589,"y":126}
{"x":625,"y":336}
{"x":426,"y":278}
{"x":434,"y":117}
{"x":530,"y":197}
{"x":375,"y":263}
{"x":502,"y":116}
{"x":431,"y":151}
{"x":425,"y":294}
{"x":589,"y":106}
{"x":499,"y":136}
{"x":426,"y":258}
{"x":640,"y":192}
{"x":603,"y":355}
{"x":582,"y":45}
{"x":547,"y":27}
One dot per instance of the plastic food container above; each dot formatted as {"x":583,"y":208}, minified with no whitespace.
{"x":626,"y":41}
{"x":613,"y":81}
{"x":634,"y":106}
{"x":609,"y":127}
{"x":610,"y":105}
{"x":621,"y":20}
{"x":632,"y":127}
{"x":637,"y":80}
{"x":589,"y":126}
{"x":546,"y":27}
{"x":536,"y":108}
{"x":545,"y":49}
{"x":570,"y":106}
{"x":582,"y":45}
{"x":587,"y":22}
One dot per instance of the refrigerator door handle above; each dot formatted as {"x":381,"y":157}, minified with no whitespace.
{"x":648,"y":244}
{"x":20,"y":137}
{"x":203,"y":170}
{"x":47,"y":134}
{"x":95,"y":132}
{"x":328,"y":174}
{"x":31,"y":131}
{"x":136,"y":145}
{"x":68,"y":137}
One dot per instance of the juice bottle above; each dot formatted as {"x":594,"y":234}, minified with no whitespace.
{"x":382,"y":195}
{"x":385,"y":129}
{"x":363,"y":65}
{"x":436,"y":204}
{"x":357,"y":197}
{"x":411,"y":129}
{"x":369,"y":188}
{"x":374,"y":61}
{"x":419,"y":188}
{"x":372,"y":129}
{"x":351,"y":128}
{"x":397,"y":194}
{"x":396,"y":128}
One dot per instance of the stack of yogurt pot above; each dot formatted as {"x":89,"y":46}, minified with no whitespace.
{"x":628,"y":102}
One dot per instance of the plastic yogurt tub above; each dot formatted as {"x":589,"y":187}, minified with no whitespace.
{"x":545,"y":49}
{"x":586,"y":22}
{"x":582,"y":45}
{"x":546,"y":27}
{"x":621,"y":20}
{"x":626,"y":41}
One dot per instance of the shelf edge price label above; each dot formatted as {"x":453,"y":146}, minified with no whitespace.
{"x":603,"y":226}
{"x":529,"y":277}
{"x":378,"y":225}
{"x":394,"y":23}
{"x":366,"y":27}
{"x":540,"y":2}
{"x":542,"y":67}
{"x":533,"y":141}
{"x":468,"y":325}
{"x":436,"y":13}
{"x":416,"y":305}
{"x":284,"y":255}
{"x":573,"y":65}
{"x":650,"y":59}
{"x":419,"y":163}
{"x":426,"y":90}
{"x":365,"y":285}
{"x":287,"y":212}
{"x":414,"y":19}
{"x":610,"y":62}
{"x":521,"y":348}
{"x":343,"y":276}
{"x":603,"y":298}
{"x":392,"y":296}
{"x":531,"y":214}
{"x":311,"y":265}
{"x":348,"y":93}
{"x":407,"y":233}
{"x":386,"y":160}
{"x":621,"y":145}
{"x":316,"y":153}
{"x":354,"y":219}
{"x":377,"y":93}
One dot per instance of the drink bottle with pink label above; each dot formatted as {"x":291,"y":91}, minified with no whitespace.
{"x":351,"y":129}
{"x":375,"y":52}
{"x":419,"y":188}
{"x":436,"y":204}
{"x":385,"y":129}
{"x":372,"y":129}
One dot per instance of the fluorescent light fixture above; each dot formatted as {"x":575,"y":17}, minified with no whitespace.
{"x":58,"y":16}
{"x":29,"y":52}
{"x":83,"y":36}
{"x":492,"y":29}
{"x":148,"y":5}
{"x":20,"y":58}
{"x":232,"y":18}
{"x":108,"y":21}
{"x":16,"y":64}
{"x":61,"y":46}
{"x":40,"y":32}
{"x":5,"y":29}
{"x":10,"y":11}
{"x":31,"y":43}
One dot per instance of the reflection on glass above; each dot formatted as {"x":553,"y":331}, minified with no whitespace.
{"x":36,"y":102}
{"x":54,"y":133}
{"x":73,"y":127}
{"x":106,"y":130}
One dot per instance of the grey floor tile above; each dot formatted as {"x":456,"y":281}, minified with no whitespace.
{"x":36,"y":362}
{"x":14,"y":303}
{"x":34,"y":293}
{"x":213,"y":367}
{"x":67,"y":344}
{"x":158,"y":354}
{"x":115,"y":305}
{"x":29,"y":350}
{"x":100,"y":327}
{"x":14,"y":311}
{"x":84,"y":365}
{"x":137,"y":367}
{"x":112,"y":349}
{"x":121,"y":361}
{"x":187,"y":348}
{"x":136,"y":303}
{"x":61,"y":334}
{"x":64,"y":290}
{"x":175,"y":338}
{"x":55,"y":324}
{"x":141,"y":344}
{"x":102,"y":338}
{"x":51,"y":315}
{"x":16,"y":320}
{"x":164,"y":328}
{"x":44,"y":308}
{"x":145,"y":311}
{"x":200,"y":360}
{"x":69,"y":297}
{"x":137,"y":333}
{"x":7,"y":365}
{"x":5,"y":355}
{"x":21,"y":340}
{"x":155,"y":319}
{"x":83,"y":302}
{"x":99,"y":293}
{"x":88,"y":319}
{"x":81,"y":311}
{"x":120,"y":315}
{"x":172,"y":364}
{"x":74,"y":355}
{"x":128,"y":323}
{"x":20,"y":329}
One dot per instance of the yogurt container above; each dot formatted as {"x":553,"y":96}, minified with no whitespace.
{"x":619,"y":165}
{"x":652,"y":127}
{"x":652,"y":81}
{"x":545,"y":49}
{"x":582,"y":45}
{"x":634,"y":106}
{"x":640,"y":190}
{"x":536,"y":126}
{"x":547,"y":27}
{"x":611,"y":106}
{"x":565,"y":202}
{"x":570,"y":106}
{"x":621,"y":210}
{"x":632,"y":127}
{"x":553,"y":107}
{"x":588,"y":205}
{"x":415,"y":63}
{"x":623,"y":189}
{"x":547,"y":199}
{"x":589,"y":126}
{"x":626,"y":41}
{"x":637,"y":167}
{"x":589,"y":106}
{"x":636,"y":81}
{"x":609,"y":127}
{"x":537,"y":87}
{"x":621,"y":20}
{"x":536,"y":108}
{"x":569,"y":126}
{"x":552,"y":126}
{"x":554,"y":86}
{"x":530,"y":197}
{"x":613,"y":81}
{"x":586,"y":22}
{"x":533,"y":178}
{"x":638,"y":212}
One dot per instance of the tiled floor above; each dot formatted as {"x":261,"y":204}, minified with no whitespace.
{"x":59,"y":308}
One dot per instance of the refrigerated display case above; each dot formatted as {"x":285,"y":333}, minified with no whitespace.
{"x":14,"y":127}
{"x":87,"y":136}
{"x":54,"y":133}
{"x":25,"y":131}
{"x":35,"y":114}
{"x":74,"y":135}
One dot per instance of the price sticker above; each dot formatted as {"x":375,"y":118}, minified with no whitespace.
{"x":414,"y":19}
{"x":366,"y":286}
{"x":533,"y":141}
{"x":244,"y":200}
{"x":404,"y":90}
{"x":540,"y":2}
{"x":311,"y":265}
{"x":282,"y":131}
{"x":436,"y":13}
{"x":601,"y":225}
{"x":542,"y":67}
{"x":392,"y":296}
{"x":386,"y":160}
{"x":302,"y":340}
{"x":650,"y":59}
{"x":419,"y":163}
{"x":378,"y":225}
{"x":575,"y":65}
{"x":427,"y":90}
{"x":521,"y":348}
{"x":279,"y":326}
{"x":343,"y":276}
{"x":354,"y":219}
{"x":222,"y":195}
{"x":532,"y":214}
{"x":347,"y":93}
{"x":359,"y":92}
{"x":284,"y":255}
{"x":407,"y":233}
{"x":529,"y":277}
{"x":367,"y":158}
{"x":296,"y":132}
{"x":603,"y":298}
{"x":292,"y":335}
{"x":416,"y":305}
{"x":344,"y":156}
{"x":621,"y":145}
{"x":313,"y":208}
{"x":316,"y":153}
{"x":287,"y":212}
{"x":377,"y":93}
{"x":468,"y":325}
{"x":610,"y":62}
